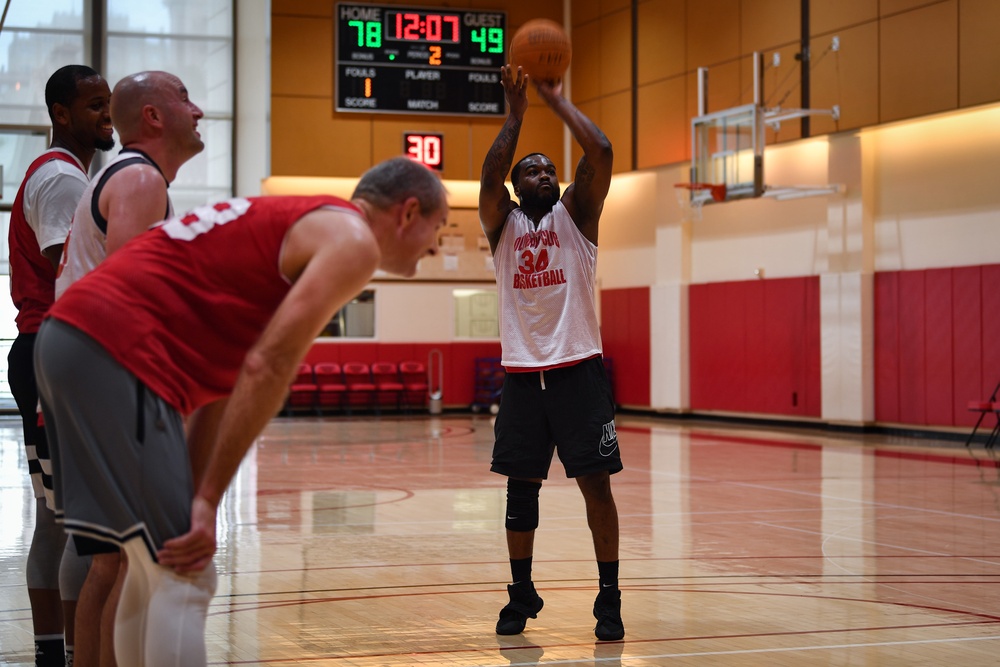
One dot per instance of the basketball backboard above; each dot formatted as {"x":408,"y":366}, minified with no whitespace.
{"x":727,"y":150}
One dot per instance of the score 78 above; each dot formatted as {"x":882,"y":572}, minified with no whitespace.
{"x":369,"y":33}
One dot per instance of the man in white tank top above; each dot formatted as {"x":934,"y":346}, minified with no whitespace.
{"x":556,"y":396}
{"x":157,"y":125}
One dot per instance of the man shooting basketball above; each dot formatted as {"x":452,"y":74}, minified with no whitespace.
{"x":209,"y":312}
{"x":556,"y":394}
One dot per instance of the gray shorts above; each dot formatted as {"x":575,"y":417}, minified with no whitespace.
{"x":119,"y":454}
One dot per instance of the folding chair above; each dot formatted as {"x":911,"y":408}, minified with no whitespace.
{"x":414,"y":377}
{"x":388,"y":387}
{"x":302,"y":393}
{"x":330,"y":385}
{"x":984,"y":408}
{"x":360,"y":388}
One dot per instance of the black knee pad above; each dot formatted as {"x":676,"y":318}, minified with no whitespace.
{"x":522,"y":505}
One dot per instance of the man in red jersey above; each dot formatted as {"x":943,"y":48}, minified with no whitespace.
{"x":78,"y":100}
{"x":206,"y":316}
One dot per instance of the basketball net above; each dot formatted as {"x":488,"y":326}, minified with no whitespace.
{"x":692,"y":196}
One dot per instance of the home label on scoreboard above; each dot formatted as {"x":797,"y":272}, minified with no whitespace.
{"x":394,"y":59}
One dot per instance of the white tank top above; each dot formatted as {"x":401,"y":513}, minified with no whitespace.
{"x":545,"y":286}
{"x":86,"y":244}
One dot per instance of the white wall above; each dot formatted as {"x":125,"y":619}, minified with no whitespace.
{"x":253,"y":96}
{"x":412,"y":312}
{"x":937,"y":191}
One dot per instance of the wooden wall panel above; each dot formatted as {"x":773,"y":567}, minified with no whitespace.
{"x":792,"y":338}
{"x":612,"y":6}
{"x":918,"y":65}
{"x":939,"y":388}
{"x":616,"y":53}
{"x":714,"y":345}
{"x":713,"y":32}
{"x":640,"y":332}
{"x":782,"y":88}
{"x":784,"y":353}
{"x":934,"y":344}
{"x":813,"y":381}
{"x":302,"y":56}
{"x":724,"y":88}
{"x":616,"y":123}
{"x":586,"y":64}
{"x":591,"y":110}
{"x":890,"y":7}
{"x":663,"y":123}
{"x":312,"y":143}
{"x":614,"y":335}
{"x":887,"y":353}
{"x":897,"y":59}
{"x":459,"y":163}
{"x":766,"y":24}
{"x":991,"y":325}
{"x":979,"y":52}
{"x":755,"y":346}
{"x":541,"y":132}
{"x":302,"y":8}
{"x":912,"y":344}
{"x":846,"y":78}
{"x":625,"y":334}
{"x":825,"y":17}
{"x":661,"y":41}
{"x":584,"y":11}
{"x":967,"y":340}
{"x":758,"y":382}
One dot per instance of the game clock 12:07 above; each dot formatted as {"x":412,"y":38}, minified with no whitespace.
{"x":419,"y":60}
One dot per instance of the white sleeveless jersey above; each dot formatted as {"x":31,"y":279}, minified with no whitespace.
{"x":86,"y":244}
{"x":545,"y":286}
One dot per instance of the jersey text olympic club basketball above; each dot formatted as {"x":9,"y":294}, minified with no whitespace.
{"x":545,"y":280}
{"x":533,"y":272}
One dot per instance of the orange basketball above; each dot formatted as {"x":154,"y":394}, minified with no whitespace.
{"x":542,"y":49}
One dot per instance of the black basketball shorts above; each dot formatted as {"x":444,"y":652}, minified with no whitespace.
{"x":568,"y":410}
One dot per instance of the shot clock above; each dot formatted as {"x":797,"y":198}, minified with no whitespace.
{"x":393,"y":59}
{"x":427,"y":148}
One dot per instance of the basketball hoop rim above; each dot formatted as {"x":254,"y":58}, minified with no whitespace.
{"x":717,"y":190}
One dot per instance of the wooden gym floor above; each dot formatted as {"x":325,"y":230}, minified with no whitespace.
{"x":379,"y":542}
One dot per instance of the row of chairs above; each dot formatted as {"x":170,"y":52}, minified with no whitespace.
{"x":358,"y":386}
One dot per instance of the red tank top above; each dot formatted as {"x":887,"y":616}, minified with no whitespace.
{"x":180,"y":305}
{"x":32,"y":277}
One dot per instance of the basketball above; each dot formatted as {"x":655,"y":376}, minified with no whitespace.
{"x":542,"y":49}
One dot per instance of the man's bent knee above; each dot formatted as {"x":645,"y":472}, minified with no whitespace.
{"x":522,"y":505}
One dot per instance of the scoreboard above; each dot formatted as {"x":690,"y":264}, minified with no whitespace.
{"x":395,"y":59}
